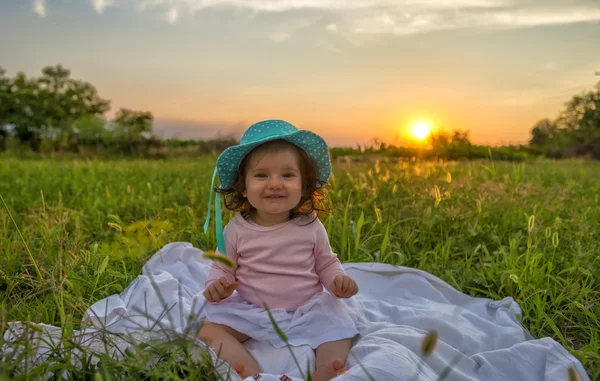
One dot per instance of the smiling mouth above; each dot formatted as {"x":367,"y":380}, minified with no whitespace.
{"x":277,"y":196}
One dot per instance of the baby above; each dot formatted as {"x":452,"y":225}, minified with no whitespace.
{"x":283,"y":258}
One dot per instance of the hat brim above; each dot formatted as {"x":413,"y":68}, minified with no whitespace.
{"x":311,"y":143}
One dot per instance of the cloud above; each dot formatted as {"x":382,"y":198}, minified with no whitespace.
{"x":396,"y":17}
{"x":39,"y":7}
{"x":99,"y":5}
{"x":335,"y":5}
{"x":550,"y":66}
{"x":409,"y":22}
{"x":329,"y":46}
{"x":556,"y":91}
{"x":172,"y":15}
{"x":533,"y":17}
{"x":283,"y":31}
{"x":279,"y":36}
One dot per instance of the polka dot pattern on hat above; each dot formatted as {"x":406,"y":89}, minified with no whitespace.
{"x":264,"y":131}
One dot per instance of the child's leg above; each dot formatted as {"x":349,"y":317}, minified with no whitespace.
{"x":331,"y":358}
{"x":227,"y":343}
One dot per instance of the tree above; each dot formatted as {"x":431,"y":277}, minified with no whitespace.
{"x":25,"y":112}
{"x":4,"y":99}
{"x":542,"y":133}
{"x":440,"y":140}
{"x":548,"y":139}
{"x":132,"y":124}
{"x":575,"y":132}
{"x":451,"y":146}
{"x":66,"y":100}
{"x":460,"y":138}
{"x":581,"y":119}
{"x":130,"y":127}
{"x":91,"y":131}
{"x":47,"y":107}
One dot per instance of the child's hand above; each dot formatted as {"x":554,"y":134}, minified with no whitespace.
{"x":219,"y":290}
{"x":343,"y":286}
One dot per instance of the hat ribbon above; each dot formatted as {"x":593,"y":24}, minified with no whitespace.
{"x":218,"y":215}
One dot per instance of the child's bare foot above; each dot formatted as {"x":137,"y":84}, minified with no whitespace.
{"x":331,"y":370}
{"x":242,"y":370}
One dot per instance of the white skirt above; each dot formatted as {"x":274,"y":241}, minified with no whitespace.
{"x":322,"y":319}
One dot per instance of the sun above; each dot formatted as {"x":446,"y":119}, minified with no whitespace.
{"x":420,"y":130}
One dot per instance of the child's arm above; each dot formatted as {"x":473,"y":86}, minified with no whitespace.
{"x":328,"y":266}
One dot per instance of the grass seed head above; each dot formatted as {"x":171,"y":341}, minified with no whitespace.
{"x":429,"y":343}
{"x":573,"y":374}
{"x":214,"y":256}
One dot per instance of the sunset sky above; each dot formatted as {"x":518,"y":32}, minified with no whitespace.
{"x":350,"y":70}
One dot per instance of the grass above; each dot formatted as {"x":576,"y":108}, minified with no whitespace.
{"x":528,"y":230}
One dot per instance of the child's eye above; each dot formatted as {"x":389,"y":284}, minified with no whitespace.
{"x":261,"y":175}
{"x":289,"y":174}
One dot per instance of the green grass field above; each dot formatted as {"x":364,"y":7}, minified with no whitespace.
{"x":529,"y":230}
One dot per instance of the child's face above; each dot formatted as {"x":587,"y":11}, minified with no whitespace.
{"x":273,"y":184}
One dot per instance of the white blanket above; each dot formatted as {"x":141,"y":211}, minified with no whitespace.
{"x":396,"y":306}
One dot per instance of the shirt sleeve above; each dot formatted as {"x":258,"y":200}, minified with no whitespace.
{"x":327,"y":265}
{"x":218,"y":270}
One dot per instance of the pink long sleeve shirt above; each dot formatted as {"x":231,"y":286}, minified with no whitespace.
{"x":282,"y":265}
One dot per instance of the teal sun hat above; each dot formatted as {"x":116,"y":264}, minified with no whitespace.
{"x":229,"y":161}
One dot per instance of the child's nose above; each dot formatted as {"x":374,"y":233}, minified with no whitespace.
{"x":274,"y":182}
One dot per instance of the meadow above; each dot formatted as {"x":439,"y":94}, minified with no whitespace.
{"x":75,"y":231}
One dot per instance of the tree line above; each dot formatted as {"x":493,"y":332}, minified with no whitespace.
{"x":56,"y":113}
{"x":574,"y":132}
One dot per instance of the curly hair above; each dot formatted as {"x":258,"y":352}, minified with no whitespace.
{"x":312,"y":199}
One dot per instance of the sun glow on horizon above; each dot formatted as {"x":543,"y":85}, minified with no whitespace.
{"x":421,"y":130}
